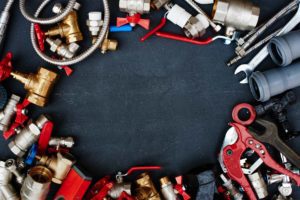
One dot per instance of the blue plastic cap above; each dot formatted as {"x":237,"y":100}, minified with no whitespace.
{"x":125,"y":28}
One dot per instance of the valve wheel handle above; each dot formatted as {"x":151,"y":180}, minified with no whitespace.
{"x":244,"y":106}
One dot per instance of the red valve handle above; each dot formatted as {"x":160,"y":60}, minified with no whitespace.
{"x":68,"y":70}
{"x":40,"y":35}
{"x":183,"y":39}
{"x":45,"y":137}
{"x":154,"y":30}
{"x":6,"y":66}
{"x":180,"y":189}
{"x":236,"y":110}
{"x":125,"y":196}
{"x":134,"y":19}
{"x":144,"y":168}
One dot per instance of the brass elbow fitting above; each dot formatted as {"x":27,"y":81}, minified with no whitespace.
{"x":145,"y":188}
{"x":60,"y":164}
{"x":39,"y":85}
{"x":68,"y":29}
{"x":107,"y":44}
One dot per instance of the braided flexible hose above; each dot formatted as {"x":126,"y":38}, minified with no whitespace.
{"x":80,"y":57}
{"x":50,"y":20}
{"x":8,"y":5}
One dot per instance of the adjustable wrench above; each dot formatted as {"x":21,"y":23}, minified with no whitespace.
{"x":263,"y":53}
{"x":270,"y":136}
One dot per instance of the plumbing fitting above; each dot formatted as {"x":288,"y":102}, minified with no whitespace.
{"x":94,"y":23}
{"x":264,"y":85}
{"x":11,"y":165}
{"x":60,"y":165}
{"x":284,"y":49}
{"x":69,"y":27}
{"x":145,"y":188}
{"x":236,"y":15}
{"x":38,"y":85}
{"x":107,"y":44}
{"x":119,"y":187}
{"x":157,"y":4}
{"x":135,"y":8}
{"x":7,"y":192}
{"x":36,"y":184}
{"x":63,"y":50}
{"x":64,"y":142}
{"x":8,"y":113}
{"x":227,"y":183}
{"x":193,"y":26}
{"x":27,"y":136}
{"x":4,"y":18}
{"x":259,"y":185}
{"x":167,"y":189}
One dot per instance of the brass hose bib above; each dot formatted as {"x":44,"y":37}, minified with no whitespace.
{"x":145,"y":188}
{"x":60,"y":165}
{"x":37,"y":184}
{"x":38,"y":85}
{"x":68,"y":28}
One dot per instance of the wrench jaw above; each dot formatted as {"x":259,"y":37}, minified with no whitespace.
{"x":244,"y":68}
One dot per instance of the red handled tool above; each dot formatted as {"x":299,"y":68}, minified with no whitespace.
{"x":134,"y":19}
{"x":40,"y":35}
{"x":125,"y":196}
{"x":100,"y":189}
{"x":250,"y":111}
{"x":20,"y":119}
{"x":6,"y":66}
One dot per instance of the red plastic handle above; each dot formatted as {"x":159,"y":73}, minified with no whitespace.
{"x":249,"y":108}
{"x":154,"y":30}
{"x":144,"y":168}
{"x":183,"y":38}
{"x":5,"y":66}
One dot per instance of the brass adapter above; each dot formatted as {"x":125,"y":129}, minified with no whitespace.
{"x":145,"y":188}
{"x":68,"y":29}
{"x":107,"y":44}
{"x":60,"y":165}
{"x":39,"y":85}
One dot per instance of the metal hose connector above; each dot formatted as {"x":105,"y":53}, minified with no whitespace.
{"x":8,"y":5}
{"x":50,"y":20}
{"x":80,"y":57}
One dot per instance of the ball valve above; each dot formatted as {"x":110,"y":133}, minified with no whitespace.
{"x":145,"y":188}
{"x":7,"y":192}
{"x":134,"y":8}
{"x":6,"y":115}
{"x":236,"y":15}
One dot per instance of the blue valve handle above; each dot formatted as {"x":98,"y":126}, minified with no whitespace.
{"x":31,"y":154}
{"x":125,"y":28}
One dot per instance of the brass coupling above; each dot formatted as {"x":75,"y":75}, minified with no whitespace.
{"x":37,"y":184}
{"x":8,"y":113}
{"x":7,"y":192}
{"x":107,"y":44}
{"x":39,"y":85}
{"x":60,"y":165}
{"x":145,"y":188}
{"x":27,"y":136}
{"x":69,"y":27}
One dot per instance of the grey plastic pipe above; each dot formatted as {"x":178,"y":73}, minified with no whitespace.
{"x":284,"y":49}
{"x":50,"y":20}
{"x":264,"y":85}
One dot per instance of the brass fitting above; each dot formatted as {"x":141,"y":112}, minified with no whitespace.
{"x":60,"y":165}
{"x":37,"y":184}
{"x":107,"y":44}
{"x":68,"y":28}
{"x":145,"y":188}
{"x":63,"y":50}
{"x":39,"y":85}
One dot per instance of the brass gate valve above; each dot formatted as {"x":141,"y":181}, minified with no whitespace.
{"x":69,"y":27}
{"x":60,"y":165}
{"x":145,"y":188}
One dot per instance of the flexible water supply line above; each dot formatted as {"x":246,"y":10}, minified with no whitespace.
{"x":80,"y":57}
{"x":50,"y":20}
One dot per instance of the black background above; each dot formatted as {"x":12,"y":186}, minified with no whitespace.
{"x":160,"y":102}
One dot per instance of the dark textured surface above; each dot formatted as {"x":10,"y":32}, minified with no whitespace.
{"x":160,"y":102}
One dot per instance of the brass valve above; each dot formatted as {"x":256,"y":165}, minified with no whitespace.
{"x":107,"y":44}
{"x":60,"y":165}
{"x":38,"y":85}
{"x":145,"y":188}
{"x":68,"y":28}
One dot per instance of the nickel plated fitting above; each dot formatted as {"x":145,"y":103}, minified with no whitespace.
{"x":63,"y":50}
{"x":37,"y":184}
{"x":145,"y":188}
{"x":167,"y":189}
{"x":157,"y":4}
{"x":194,"y":27}
{"x":8,"y":113}
{"x":65,"y":142}
{"x":11,"y":165}
{"x":39,"y":85}
{"x":94,"y":23}
{"x":7,"y":192}
{"x":69,"y":27}
{"x":259,"y":185}
{"x":135,"y":6}
{"x":27,"y":136}
{"x":236,"y":15}
{"x":60,"y":165}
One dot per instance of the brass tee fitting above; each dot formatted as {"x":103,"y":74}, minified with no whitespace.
{"x":145,"y":188}
{"x":60,"y":165}
{"x":37,"y":184}
{"x":39,"y":85}
{"x":68,"y":29}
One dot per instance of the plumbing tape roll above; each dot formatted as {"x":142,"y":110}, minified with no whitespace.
{"x":283,"y":50}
